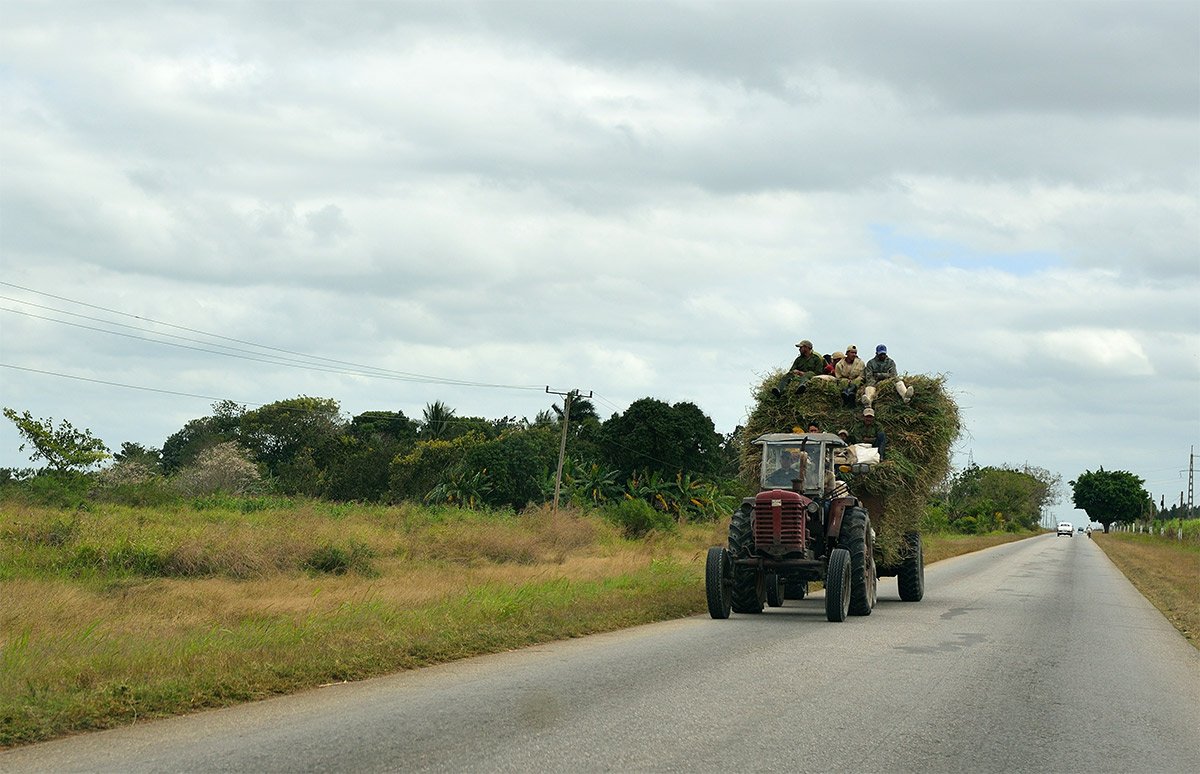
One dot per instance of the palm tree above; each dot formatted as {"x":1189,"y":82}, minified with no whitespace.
{"x":437,"y":420}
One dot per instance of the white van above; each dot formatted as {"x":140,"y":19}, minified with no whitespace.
{"x":1066,"y":528}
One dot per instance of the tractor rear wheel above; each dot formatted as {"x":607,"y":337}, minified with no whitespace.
{"x":857,"y":538}
{"x":911,"y":578}
{"x":837,"y":585}
{"x":718,"y":582}
{"x":775,"y":594}
{"x":749,"y":593}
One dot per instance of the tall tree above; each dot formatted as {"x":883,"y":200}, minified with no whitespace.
{"x":992,"y":498}
{"x":657,"y":436}
{"x":1111,"y":496}
{"x":183,"y":446}
{"x":64,"y":448}
{"x":295,"y":439}
{"x":132,"y":452}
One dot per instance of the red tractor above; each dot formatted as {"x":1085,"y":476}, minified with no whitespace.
{"x":804,"y":525}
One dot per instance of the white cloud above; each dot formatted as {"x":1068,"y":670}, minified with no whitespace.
{"x":494,"y":193}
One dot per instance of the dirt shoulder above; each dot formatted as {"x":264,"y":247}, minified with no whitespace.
{"x":1165,"y":571}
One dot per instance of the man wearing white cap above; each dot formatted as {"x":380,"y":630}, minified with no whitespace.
{"x":879,"y":368}
{"x":850,"y":372}
{"x":868,"y":432}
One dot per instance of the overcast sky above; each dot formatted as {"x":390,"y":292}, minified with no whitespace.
{"x":637,"y":199}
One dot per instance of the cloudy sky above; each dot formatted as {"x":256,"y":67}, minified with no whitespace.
{"x":391,"y":203}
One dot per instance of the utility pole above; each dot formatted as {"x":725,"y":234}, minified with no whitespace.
{"x":562,"y":446}
{"x":1191,"y":511}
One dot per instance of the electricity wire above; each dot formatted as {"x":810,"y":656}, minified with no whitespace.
{"x":363,"y":370}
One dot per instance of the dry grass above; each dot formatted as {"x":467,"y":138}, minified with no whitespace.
{"x":1166,"y":572}
{"x":93,"y":644}
{"x":122,"y":613}
{"x":939,"y":547}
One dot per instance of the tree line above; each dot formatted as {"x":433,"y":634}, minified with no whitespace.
{"x":668,"y":455}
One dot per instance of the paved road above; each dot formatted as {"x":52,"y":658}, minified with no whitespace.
{"x":1035,"y":656}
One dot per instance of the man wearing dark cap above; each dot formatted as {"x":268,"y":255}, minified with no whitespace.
{"x":806,"y":365}
{"x":879,"y":368}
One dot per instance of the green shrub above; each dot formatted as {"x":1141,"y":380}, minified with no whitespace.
{"x":127,"y":558}
{"x":935,"y":521}
{"x":51,"y":488}
{"x":152,"y":493}
{"x":637,"y":518}
{"x":339,"y":560}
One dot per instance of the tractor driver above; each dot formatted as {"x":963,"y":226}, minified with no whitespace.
{"x":785,"y":473}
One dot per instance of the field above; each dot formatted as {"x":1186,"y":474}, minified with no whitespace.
{"x":114,"y":614}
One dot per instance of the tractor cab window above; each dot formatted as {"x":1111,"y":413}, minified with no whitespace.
{"x":784,"y":462}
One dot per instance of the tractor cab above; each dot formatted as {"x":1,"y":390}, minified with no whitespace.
{"x":801,"y":462}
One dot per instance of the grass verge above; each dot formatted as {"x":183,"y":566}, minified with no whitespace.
{"x":945,"y":545}
{"x":117,"y":614}
{"x":1166,"y":572}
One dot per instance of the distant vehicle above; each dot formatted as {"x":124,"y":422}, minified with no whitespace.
{"x":1066,"y":528}
{"x":1081,"y":529}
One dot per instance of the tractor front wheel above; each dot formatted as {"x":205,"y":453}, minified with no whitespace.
{"x":718,"y":582}
{"x":749,"y":592}
{"x":837,"y":585}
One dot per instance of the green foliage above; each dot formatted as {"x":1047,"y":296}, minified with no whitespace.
{"x":414,"y":474}
{"x":465,"y":490}
{"x":1111,"y":496}
{"x":52,"y":488}
{"x":341,"y":559}
{"x":935,"y":520}
{"x":437,"y":421}
{"x":683,"y":497}
{"x":587,"y":483}
{"x":134,"y":453}
{"x":388,"y":425}
{"x":512,"y":461}
{"x":148,"y":492}
{"x":990,"y":499}
{"x":124,"y":559}
{"x":64,"y":448}
{"x":294,"y":439}
{"x":240,"y":504}
{"x":183,"y":446}
{"x":657,"y":436}
{"x":637,"y":518}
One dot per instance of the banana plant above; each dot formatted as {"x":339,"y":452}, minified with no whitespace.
{"x":461,"y":489}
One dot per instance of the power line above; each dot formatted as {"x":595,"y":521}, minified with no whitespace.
{"x":370,"y":371}
{"x":127,"y":386}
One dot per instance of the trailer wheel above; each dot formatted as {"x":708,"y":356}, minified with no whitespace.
{"x":775,"y":595}
{"x":857,"y":537}
{"x":795,"y":589}
{"x":718,"y":582}
{"x":911,"y":578}
{"x":837,"y":585}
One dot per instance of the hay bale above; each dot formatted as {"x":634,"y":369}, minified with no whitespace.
{"x":920,"y":435}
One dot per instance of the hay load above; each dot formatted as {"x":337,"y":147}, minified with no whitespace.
{"x":920,"y":435}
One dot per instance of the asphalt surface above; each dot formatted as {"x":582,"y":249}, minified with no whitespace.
{"x":1034,"y":656}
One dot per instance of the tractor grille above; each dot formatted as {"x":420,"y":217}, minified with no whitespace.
{"x":779,"y":523}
